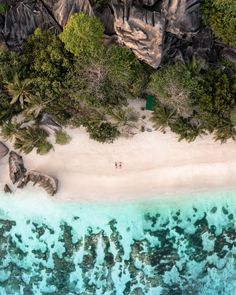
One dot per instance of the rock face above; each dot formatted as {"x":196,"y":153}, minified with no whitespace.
{"x":62,"y":10}
{"x":229,"y":54}
{"x":144,"y":30}
{"x":48,"y":124}
{"x":3,"y":150}
{"x":16,"y":167}
{"x":23,"y":18}
{"x":141,"y":30}
{"x":156,"y":30}
{"x":182,"y":16}
{"x":19,"y":175}
{"x":49,"y":183}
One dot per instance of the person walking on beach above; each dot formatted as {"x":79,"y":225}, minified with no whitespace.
{"x":116,"y":164}
{"x":120,"y":164}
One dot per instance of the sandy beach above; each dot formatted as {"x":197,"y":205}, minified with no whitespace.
{"x":153,"y":163}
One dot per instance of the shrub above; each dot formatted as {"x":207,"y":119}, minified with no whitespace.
{"x":3,"y":8}
{"x":221,"y":16}
{"x":44,"y":147}
{"x":82,"y":35}
{"x":104,"y":132}
{"x":173,"y":85}
{"x":62,"y":137}
{"x":26,"y":139}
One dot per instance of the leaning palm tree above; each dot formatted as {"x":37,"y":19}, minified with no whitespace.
{"x":19,"y":90}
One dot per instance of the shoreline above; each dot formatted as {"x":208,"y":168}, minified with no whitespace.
{"x":153,"y":164}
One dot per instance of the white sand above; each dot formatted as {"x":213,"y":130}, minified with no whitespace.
{"x":153,"y":163}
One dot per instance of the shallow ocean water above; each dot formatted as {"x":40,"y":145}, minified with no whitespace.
{"x":183,"y":245}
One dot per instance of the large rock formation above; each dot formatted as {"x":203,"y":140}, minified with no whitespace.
{"x":182,"y":16}
{"x":47,"y":123}
{"x":49,"y":183}
{"x":20,"y":176}
{"x":141,"y":30}
{"x":16,"y":167}
{"x":144,"y":30}
{"x":62,"y":10}
{"x":23,"y":18}
{"x":155,"y":30}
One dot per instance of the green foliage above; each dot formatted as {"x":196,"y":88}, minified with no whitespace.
{"x":19,"y":90}
{"x":26,"y":139}
{"x":43,"y":147}
{"x":163,"y":117}
{"x":100,"y":4}
{"x":104,"y":132}
{"x":7,"y":111}
{"x":221,"y":16}
{"x":9,"y":130}
{"x":62,"y":137}
{"x":82,"y":35}
{"x":210,"y":103}
{"x":173,"y":85}
{"x":46,"y":56}
{"x":74,"y":90}
{"x":109,"y":78}
{"x":218,"y":98}
{"x":3,"y":8}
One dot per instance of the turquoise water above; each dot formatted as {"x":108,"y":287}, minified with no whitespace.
{"x":150,"y":247}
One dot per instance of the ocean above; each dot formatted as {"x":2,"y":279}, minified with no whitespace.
{"x":166,"y":245}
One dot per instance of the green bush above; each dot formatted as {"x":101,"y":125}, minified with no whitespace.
{"x":26,"y":139}
{"x":210,"y":101}
{"x":104,"y":132}
{"x":82,"y":35}
{"x":3,"y":8}
{"x":221,"y":16}
{"x":44,"y":147}
{"x":62,"y":137}
{"x":173,"y":86}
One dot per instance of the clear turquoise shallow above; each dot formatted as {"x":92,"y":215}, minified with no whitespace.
{"x":179,"y":245}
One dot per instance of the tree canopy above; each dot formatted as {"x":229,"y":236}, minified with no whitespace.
{"x":82,"y":35}
{"x":200,"y":102}
{"x":221,"y":16}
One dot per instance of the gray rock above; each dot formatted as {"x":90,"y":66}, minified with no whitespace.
{"x":229,"y":54}
{"x":140,"y":30}
{"x":49,"y":183}
{"x":23,"y":18}
{"x":7,"y":189}
{"x":203,"y":43}
{"x":182,"y":16}
{"x":47,"y":123}
{"x":3,"y":150}
{"x":16,"y":167}
{"x":62,"y":10}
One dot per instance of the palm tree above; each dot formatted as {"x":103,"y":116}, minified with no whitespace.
{"x":224,"y":133}
{"x":162,"y":117}
{"x":35,"y":107}
{"x":19,"y":90}
{"x":26,"y":139}
{"x":9,"y":130}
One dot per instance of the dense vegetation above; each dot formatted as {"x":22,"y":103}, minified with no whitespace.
{"x":76,"y":84}
{"x":220,"y":15}
{"x":195,"y":99}
{"x":76,"y":81}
